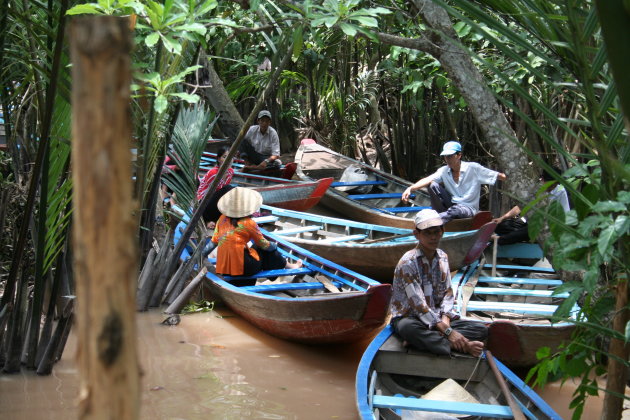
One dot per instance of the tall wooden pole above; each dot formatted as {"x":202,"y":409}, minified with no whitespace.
{"x":105,"y":246}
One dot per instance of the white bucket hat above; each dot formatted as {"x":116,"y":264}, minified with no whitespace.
{"x":240,"y":202}
{"x":427,"y":218}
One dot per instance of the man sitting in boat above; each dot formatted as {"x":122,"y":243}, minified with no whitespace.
{"x":261,"y":145}
{"x":422,"y":296}
{"x":235,"y":228}
{"x":455,"y":188}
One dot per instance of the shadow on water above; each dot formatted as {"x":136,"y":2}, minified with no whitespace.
{"x":215,"y":365}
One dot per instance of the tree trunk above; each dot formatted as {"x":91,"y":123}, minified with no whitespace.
{"x":230,"y":121}
{"x":105,"y":246}
{"x":442,"y":43}
{"x":619,"y":350}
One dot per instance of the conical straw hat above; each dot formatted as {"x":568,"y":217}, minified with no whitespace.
{"x":240,"y":202}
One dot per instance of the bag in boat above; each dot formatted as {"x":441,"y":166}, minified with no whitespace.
{"x":354,"y":173}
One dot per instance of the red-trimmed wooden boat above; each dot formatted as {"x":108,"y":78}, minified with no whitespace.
{"x":372,"y":250}
{"x":397,"y":382}
{"x":517,"y":302}
{"x":320,"y":303}
{"x":382,"y":205}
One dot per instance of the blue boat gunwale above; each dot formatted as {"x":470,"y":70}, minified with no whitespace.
{"x":327,"y":271}
{"x":362,"y":391}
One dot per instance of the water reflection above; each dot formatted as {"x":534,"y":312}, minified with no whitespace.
{"x":217,"y":366}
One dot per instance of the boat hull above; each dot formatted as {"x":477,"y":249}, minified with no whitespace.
{"x":338,"y":319}
{"x":392,"y":377}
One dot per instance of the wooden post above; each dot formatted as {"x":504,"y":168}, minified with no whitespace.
{"x":104,"y":234}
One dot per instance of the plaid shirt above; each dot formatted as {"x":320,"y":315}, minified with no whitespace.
{"x":422,"y":288}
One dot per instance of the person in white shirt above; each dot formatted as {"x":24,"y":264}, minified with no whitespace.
{"x":455,"y":188}
{"x":261,"y":145}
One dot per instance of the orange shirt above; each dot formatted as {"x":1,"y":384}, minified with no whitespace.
{"x":233,"y":240}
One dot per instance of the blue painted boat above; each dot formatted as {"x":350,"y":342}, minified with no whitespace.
{"x":319,"y":303}
{"x":381,"y":203}
{"x":369,"y":249}
{"x":516,"y":301}
{"x":396,"y":382}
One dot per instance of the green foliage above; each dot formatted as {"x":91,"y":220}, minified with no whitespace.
{"x":192,"y":131}
{"x":197,"y":307}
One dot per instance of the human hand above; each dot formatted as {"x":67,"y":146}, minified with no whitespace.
{"x":458,"y":341}
{"x":406,"y":194}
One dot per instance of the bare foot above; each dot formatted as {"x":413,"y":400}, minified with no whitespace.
{"x":296,"y":264}
{"x":474,"y":348}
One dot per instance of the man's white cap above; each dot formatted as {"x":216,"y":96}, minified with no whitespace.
{"x":450,"y":148}
{"x":427,"y":218}
{"x":264,"y":113}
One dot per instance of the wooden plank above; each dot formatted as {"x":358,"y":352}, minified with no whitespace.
{"x":517,"y":292}
{"x":272,"y":273}
{"x":519,"y":308}
{"x":285,"y":286}
{"x":337,"y":239}
{"x":357,"y":183}
{"x":265,"y":219}
{"x":300,"y":229}
{"x":359,"y":197}
{"x":403,"y":209}
{"x":437,"y":406}
{"x":329,"y":285}
{"x":520,"y":250}
{"x":522,"y":268}
{"x":520,"y":280}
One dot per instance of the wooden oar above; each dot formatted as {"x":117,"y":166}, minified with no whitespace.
{"x":389,"y":238}
{"x":469,"y":287}
{"x":516,"y":410}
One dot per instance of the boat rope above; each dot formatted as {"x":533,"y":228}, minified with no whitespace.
{"x":474,"y":370}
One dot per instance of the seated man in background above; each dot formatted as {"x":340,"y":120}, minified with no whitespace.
{"x":261,"y":145}
{"x":455,"y":188}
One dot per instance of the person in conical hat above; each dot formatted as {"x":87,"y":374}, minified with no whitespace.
{"x":422,"y":304}
{"x":235,"y":229}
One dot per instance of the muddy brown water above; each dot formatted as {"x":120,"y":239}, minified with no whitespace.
{"x":215,"y":365}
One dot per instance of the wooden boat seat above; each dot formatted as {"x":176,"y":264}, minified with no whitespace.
{"x":281,"y":287}
{"x":411,"y":403}
{"x":357,"y":183}
{"x":336,"y":239}
{"x":518,"y":292}
{"x":521,"y":268}
{"x":519,"y":280}
{"x":513,"y":307}
{"x":403,"y":209}
{"x":300,"y":229}
{"x":272,"y":273}
{"x":265,"y":219}
{"x":520,"y":250}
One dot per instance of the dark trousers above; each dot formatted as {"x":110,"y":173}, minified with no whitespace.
{"x":511,"y":231}
{"x":416,"y":333}
{"x":441,"y":201}
{"x":252,"y":155}
{"x":269,"y":260}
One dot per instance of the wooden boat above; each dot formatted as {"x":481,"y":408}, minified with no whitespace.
{"x":320,"y":303}
{"x":395,"y":382}
{"x":283,"y":193}
{"x":372,"y":250}
{"x":517,"y":302}
{"x":382,"y":204}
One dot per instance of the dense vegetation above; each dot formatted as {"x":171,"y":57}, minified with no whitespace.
{"x":524,"y":86}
